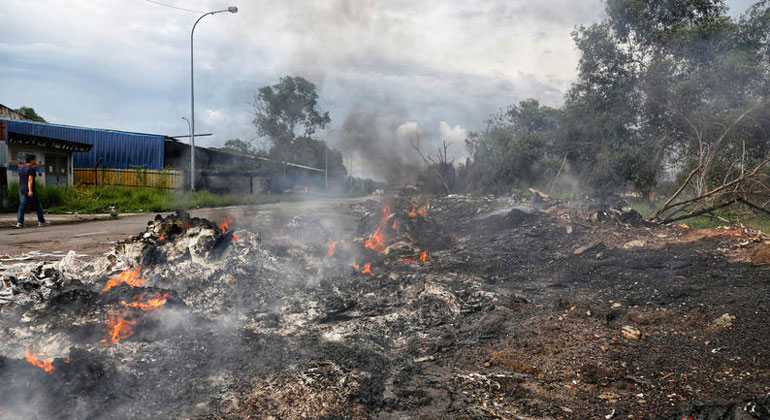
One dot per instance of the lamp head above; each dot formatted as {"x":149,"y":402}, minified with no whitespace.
{"x":232,"y":9}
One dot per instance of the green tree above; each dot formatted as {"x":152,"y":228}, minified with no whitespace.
{"x":286,"y":111}
{"x":240,"y":146}
{"x":29,"y":113}
{"x":519,"y":147}
{"x":657,"y":79}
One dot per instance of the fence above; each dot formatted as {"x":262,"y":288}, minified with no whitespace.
{"x":163,"y":178}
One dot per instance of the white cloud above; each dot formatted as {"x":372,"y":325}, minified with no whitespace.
{"x":408,"y":130}
{"x":216,"y":118}
{"x":451,"y":134}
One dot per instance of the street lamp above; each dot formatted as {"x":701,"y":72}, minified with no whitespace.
{"x":189,"y":129}
{"x":230,"y":9}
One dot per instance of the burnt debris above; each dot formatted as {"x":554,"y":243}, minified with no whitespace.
{"x":457,"y":307}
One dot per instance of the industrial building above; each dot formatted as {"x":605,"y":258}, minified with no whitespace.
{"x":69,"y":155}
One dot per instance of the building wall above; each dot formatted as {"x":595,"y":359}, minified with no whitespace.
{"x":16,"y":155}
{"x":6,"y":112}
{"x":115,"y":149}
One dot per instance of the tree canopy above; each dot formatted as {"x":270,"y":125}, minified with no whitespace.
{"x":288,"y":115}
{"x":663,"y":87}
{"x":29,"y":113}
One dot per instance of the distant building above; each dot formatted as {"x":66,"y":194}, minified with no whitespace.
{"x":11,"y":114}
{"x":63,"y":149}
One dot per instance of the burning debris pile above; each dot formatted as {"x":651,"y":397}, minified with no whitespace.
{"x":458,"y":307}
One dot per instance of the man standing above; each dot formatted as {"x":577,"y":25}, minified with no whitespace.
{"x":27,"y":192}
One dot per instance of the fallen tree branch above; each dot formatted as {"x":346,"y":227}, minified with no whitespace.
{"x":754,"y":206}
{"x":734,"y":183}
{"x":700,"y":212}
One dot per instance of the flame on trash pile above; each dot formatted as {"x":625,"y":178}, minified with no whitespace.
{"x":118,"y":328}
{"x":32,"y":359}
{"x":147,"y":303}
{"x":422,"y":257}
{"x":225,"y":225}
{"x":332,"y":246}
{"x":130,"y":277}
{"x":367,"y":268}
{"x":418,"y":210}
{"x":377,"y":241}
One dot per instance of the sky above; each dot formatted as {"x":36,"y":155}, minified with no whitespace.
{"x":384,"y":69}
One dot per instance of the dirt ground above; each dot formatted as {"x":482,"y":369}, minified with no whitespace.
{"x":458,"y":307}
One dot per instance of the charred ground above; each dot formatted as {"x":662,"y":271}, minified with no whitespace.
{"x":515,"y":310}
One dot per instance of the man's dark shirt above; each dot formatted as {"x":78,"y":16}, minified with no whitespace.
{"x":26,"y":171}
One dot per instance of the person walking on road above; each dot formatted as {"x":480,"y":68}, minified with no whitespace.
{"x":27,"y":192}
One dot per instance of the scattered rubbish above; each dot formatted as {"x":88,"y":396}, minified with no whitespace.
{"x":724,"y":321}
{"x":631,"y":332}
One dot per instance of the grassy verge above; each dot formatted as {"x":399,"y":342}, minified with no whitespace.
{"x":723,"y":217}
{"x":91,"y":200}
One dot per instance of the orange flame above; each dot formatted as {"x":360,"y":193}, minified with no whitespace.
{"x":118,"y":328}
{"x":130,"y":277}
{"x":367,"y":268}
{"x":225,"y":225}
{"x":422,"y":257}
{"x":418,"y":210}
{"x":376,"y":242}
{"x":332,"y":246}
{"x":394,"y":226}
{"x":46,"y":365}
{"x":161,"y":238}
{"x":156,"y":301}
{"x":235,"y":237}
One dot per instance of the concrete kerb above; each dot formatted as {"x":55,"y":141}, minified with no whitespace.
{"x":8,"y":220}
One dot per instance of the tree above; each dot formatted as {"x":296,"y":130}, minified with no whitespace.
{"x":240,"y":146}
{"x":518,"y":147}
{"x":286,"y":111}
{"x":676,"y":82}
{"x":29,"y":113}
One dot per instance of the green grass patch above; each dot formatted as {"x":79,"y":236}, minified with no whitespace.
{"x":103,"y":199}
{"x":732,"y":215}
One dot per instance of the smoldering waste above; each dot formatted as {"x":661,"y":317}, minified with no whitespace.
{"x":454,"y":308}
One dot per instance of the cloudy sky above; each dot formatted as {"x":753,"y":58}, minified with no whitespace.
{"x":384,"y":68}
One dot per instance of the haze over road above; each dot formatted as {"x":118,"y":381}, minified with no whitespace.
{"x":94,"y":238}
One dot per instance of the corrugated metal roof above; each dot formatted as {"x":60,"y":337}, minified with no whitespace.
{"x":119,"y":149}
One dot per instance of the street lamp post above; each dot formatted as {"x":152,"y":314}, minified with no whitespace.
{"x":230,"y":9}
{"x":192,"y":149}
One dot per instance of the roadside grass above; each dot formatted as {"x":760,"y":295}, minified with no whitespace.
{"x":103,"y":199}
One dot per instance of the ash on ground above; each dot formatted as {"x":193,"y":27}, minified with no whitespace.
{"x":455,"y":308}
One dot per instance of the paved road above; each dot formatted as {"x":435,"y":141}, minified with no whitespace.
{"x":95,"y":237}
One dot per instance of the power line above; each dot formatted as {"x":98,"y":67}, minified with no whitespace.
{"x":173,"y":7}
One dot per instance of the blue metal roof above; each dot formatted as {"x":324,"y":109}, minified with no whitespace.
{"x":119,"y":149}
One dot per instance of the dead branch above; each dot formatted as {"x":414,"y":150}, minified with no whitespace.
{"x":754,"y":206}
{"x":429,"y":161}
{"x":704,"y":167}
{"x":734,"y":183}
{"x":717,"y":144}
{"x":695,"y":213}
